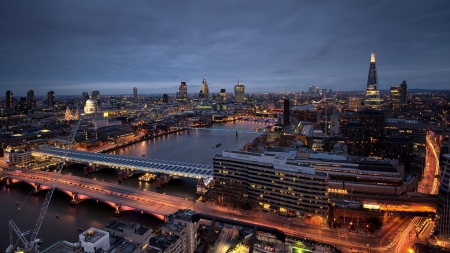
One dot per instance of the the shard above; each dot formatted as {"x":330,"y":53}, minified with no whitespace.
{"x":372,"y":93}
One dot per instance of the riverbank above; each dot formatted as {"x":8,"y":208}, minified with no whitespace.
{"x":143,"y":138}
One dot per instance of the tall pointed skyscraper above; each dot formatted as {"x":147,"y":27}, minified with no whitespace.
{"x":372,"y":93}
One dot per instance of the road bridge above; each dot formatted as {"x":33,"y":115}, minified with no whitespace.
{"x":123,"y":198}
{"x":119,"y":197}
{"x":172,"y":168}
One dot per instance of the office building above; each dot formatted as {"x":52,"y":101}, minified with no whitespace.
{"x":31,"y":103}
{"x":182,"y":92}
{"x":270,"y":182}
{"x":205,"y":90}
{"x":96,"y":95}
{"x":165,"y":98}
{"x":354,"y":103}
{"x":178,"y":234}
{"x":443,"y":205}
{"x":223,"y":96}
{"x":415,"y":130}
{"x":239,"y":91}
{"x":398,"y":95}
{"x":372,"y":99}
{"x":51,"y":98}
{"x":85,"y":95}
{"x":135,"y":93}
{"x":9,"y":100}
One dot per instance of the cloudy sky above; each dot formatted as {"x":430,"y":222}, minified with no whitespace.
{"x":111,"y":46}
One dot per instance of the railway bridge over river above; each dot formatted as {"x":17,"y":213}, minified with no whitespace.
{"x":129,"y":164}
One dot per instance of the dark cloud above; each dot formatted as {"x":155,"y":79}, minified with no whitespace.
{"x":73,"y":46}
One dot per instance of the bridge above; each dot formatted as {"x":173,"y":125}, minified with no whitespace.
{"x":172,"y":168}
{"x":120,"y":198}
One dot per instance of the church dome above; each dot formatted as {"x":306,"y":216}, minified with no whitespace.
{"x":91,"y":106}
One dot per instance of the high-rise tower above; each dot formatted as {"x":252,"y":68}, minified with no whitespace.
{"x":50,"y":98}
{"x":135,"y":94}
{"x":239,"y":91}
{"x":205,"y":90}
{"x":372,"y":93}
{"x":31,"y":103}
{"x":9,"y":100}
{"x":182,"y":92}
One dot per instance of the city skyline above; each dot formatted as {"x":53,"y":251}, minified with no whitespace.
{"x":75,"y":47}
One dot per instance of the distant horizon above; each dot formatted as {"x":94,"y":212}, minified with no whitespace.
{"x":131,"y":94}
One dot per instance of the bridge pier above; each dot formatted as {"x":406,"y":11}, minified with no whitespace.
{"x":118,"y":210}
{"x":37,"y":187}
{"x":75,"y":199}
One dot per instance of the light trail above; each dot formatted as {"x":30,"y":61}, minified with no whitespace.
{"x":434,"y":188}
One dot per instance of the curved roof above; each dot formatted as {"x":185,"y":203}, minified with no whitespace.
{"x":181,"y":169}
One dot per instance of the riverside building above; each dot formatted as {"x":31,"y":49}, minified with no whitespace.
{"x":300,"y":181}
{"x":271,"y":181}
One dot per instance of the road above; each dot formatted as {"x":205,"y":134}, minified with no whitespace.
{"x":161,"y":204}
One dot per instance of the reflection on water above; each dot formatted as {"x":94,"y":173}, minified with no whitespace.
{"x":198,"y":146}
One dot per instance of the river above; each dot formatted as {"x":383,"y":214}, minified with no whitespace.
{"x":198,"y":146}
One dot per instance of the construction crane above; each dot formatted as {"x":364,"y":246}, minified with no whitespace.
{"x":33,"y":245}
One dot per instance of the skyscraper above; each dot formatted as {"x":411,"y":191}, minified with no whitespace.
{"x":135,"y":94}
{"x":182,"y":92}
{"x":239,"y":91}
{"x":30,"y":100}
{"x":96,"y":95}
{"x":9,"y":100}
{"x":398,"y":95}
{"x":372,"y":93}
{"x":223,"y":95}
{"x":50,"y":98}
{"x":205,"y":90}
{"x":85,"y":95}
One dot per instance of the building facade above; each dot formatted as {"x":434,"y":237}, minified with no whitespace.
{"x":399,"y":95}
{"x":270,"y":182}
{"x":372,"y":98}
{"x":443,"y":205}
{"x":9,"y":100}
{"x":31,"y":103}
{"x":182,"y":92}
{"x":135,"y":93}
{"x":239,"y":91}
{"x":205,"y":90}
{"x":51,"y":98}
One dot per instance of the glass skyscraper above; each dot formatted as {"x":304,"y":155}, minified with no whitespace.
{"x":205,"y":90}
{"x":239,"y":91}
{"x":372,"y":93}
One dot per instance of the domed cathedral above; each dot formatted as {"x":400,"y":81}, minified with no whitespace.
{"x":91,"y":106}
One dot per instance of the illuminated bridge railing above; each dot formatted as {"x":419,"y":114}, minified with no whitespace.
{"x":134,"y":163}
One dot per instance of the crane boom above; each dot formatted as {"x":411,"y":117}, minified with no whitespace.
{"x":32,"y":246}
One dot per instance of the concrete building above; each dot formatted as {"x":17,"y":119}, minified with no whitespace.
{"x":130,"y":231}
{"x":443,"y":205}
{"x":239,"y":91}
{"x":17,"y":157}
{"x":272,"y":181}
{"x":178,"y":234}
{"x":415,"y":130}
{"x":94,"y":239}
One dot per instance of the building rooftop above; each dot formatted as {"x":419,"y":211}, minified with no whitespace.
{"x":92,"y":235}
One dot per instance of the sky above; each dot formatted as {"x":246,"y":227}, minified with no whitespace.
{"x":271,"y":46}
